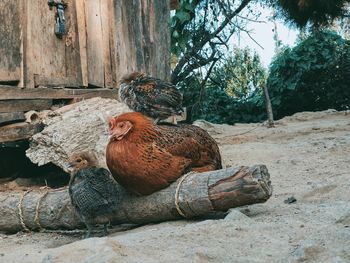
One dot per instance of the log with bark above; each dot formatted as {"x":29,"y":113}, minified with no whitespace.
{"x":192,"y":196}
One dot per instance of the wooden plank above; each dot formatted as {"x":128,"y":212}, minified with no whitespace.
{"x":12,"y":93}
{"x":48,"y":55}
{"x":71,"y":43}
{"x":10,"y":40}
{"x":81,"y":24}
{"x":95,"y":46}
{"x":19,"y":131}
{"x":107,"y":40}
{"x":143,"y":37}
{"x":40,"y":80}
{"x":24,"y":105}
{"x":10,"y":76}
{"x":12,"y":116}
{"x":23,"y":20}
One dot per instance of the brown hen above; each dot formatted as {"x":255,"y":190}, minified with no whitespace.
{"x":144,"y":157}
{"x":152,"y":97}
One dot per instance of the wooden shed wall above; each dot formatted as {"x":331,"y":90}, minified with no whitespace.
{"x":104,"y":40}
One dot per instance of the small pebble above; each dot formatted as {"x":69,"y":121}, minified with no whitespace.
{"x":290,"y":200}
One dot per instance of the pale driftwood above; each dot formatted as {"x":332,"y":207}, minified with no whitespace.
{"x":82,"y":127}
{"x":200,"y":195}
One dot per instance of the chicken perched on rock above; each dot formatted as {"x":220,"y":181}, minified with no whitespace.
{"x":93,"y":191}
{"x":144,"y":157}
{"x":152,"y":97}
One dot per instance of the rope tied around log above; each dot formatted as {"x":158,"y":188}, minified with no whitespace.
{"x":37,"y":208}
{"x":20,"y":212}
{"x":177,"y":194}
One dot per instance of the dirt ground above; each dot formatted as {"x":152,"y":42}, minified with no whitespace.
{"x":306,"y":220}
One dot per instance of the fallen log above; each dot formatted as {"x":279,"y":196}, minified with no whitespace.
{"x":74,"y":128}
{"x":193,"y":195}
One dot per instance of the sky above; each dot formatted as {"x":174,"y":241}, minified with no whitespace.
{"x":263,"y":34}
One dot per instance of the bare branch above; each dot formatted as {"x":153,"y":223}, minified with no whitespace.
{"x":182,"y":70}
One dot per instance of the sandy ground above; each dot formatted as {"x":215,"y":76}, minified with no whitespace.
{"x":308,"y":157}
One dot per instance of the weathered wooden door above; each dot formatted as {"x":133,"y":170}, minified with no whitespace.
{"x":99,"y":41}
{"x":10,"y":41}
{"x":51,"y":61}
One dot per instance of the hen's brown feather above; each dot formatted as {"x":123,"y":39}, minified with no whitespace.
{"x":150,"y":156}
{"x":150,"y":96}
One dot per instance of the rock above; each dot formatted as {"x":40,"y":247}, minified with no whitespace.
{"x":307,"y":250}
{"x":345,"y":220}
{"x":236,"y":215}
{"x":211,"y":128}
{"x":290,"y":200}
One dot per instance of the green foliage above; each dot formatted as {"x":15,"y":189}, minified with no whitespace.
{"x":312,"y":76}
{"x":232,"y":94}
{"x":180,"y":34}
{"x":241,"y":74}
{"x":302,"y":12}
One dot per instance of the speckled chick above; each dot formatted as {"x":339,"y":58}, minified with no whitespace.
{"x":150,"y":96}
{"x":93,"y":191}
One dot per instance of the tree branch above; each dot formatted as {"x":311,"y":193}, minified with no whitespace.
{"x":179,"y":72}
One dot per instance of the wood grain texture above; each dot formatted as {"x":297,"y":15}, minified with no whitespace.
{"x":24,"y":105}
{"x":47,"y":55}
{"x":13,"y":93}
{"x":195,"y":200}
{"x":10,"y":40}
{"x":95,"y":47}
{"x":19,"y":131}
{"x":142,"y":37}
{"x":104,"y":40}
{"x":82,"y":35}
{"x":11,"y":116}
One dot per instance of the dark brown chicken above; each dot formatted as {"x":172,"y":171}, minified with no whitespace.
{"x":152,"y":97}
{"x":144,"y":157}
{"x":93,"y":191}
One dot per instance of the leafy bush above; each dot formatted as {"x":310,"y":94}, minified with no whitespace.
{"x":312,"y":76}
{"x":317,"y":13}
{"x":213,"y":104}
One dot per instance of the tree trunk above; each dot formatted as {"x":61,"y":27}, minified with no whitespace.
{"x":197,"y":195}
{"x":270,"y":122}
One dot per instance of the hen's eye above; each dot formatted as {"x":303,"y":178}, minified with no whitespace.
{"x":121,"y":125}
